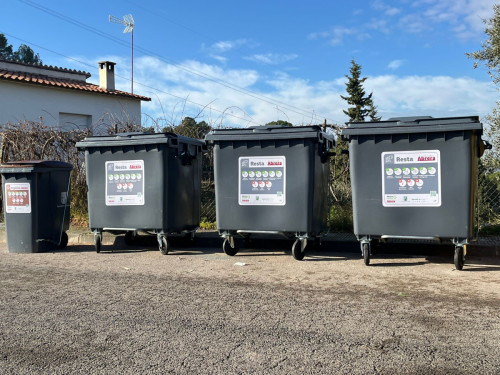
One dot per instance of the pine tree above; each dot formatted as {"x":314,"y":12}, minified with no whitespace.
{"x":372,"y":111}
{"x":356,"y":95}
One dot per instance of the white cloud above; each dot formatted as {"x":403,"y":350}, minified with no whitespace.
{"x":306,"y":101}
{"x":227,"y":45}
{"x":395,"y":64}
{"x":335,"y":35}
{"x":464,"y":16}
{"x":271,"y":58}
{"x":387,"y":9}
{"x":431,"y":95}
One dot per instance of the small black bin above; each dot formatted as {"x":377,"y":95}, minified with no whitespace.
{"x":36,"y":204}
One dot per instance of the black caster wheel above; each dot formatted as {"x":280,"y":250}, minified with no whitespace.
{"x":366,"y":253}
{"x":297,"y":252}
{"x":163,"y":246}
{"x":64,"y":240}
{"x":459,"y":258}
{"x":228,"y":249}
{"x":130,"y":237}
{"x":97,"y":243}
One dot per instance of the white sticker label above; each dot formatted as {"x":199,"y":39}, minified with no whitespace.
{"x":125,"y":183}
{"x":411,"y":178}
{"x":17,"y":198}
{"x":262,"y":180}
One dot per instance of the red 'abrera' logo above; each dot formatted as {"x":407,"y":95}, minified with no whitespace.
{"x":426,"y":158}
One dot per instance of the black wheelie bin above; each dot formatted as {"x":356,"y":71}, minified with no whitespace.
{"x":271,"y":180}
{"x":143,"y":181}
{"x":415,"y":178}
{"x":36,"y":195}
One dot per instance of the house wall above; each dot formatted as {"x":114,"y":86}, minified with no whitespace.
{"x":20,"y":102}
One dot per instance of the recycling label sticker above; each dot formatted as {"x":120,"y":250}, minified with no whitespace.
{"x":261,"y":180}
{"x":411,"y":179}
{"x":17,"y":198}
{"x":125,"y":183}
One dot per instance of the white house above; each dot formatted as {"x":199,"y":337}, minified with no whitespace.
{"x":62,"y":97}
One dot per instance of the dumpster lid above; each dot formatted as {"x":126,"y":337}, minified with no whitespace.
{"x":421,"y":124}
{"x":135,"y":138}
{"x":36,"y":164}
{"x":268,"y":132}
{"x":27,"y":166}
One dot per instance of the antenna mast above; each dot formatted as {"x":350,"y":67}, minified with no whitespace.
{"x":129,"y":23}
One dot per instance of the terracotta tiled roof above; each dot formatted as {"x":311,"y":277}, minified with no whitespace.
{"x":44,"y":80}
{"x":47,"y":67}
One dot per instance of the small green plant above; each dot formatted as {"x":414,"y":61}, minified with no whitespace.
{"x":205,"y":224}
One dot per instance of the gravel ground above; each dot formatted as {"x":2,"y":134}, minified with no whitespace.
{"x":202,"y":312}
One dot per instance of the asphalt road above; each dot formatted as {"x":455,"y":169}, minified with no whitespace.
{"x":260,"y":312}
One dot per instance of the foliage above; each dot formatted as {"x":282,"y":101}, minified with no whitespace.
{"x":23,"y":54}
{"x":206,"y":224}
{"x":280,"y":123}
{"x":491,"y":158}
{"x":5,"y":48}
{"x":489,"y":168}
{"x":190,"y":128}
{"x":372,"y":112}
{"x":489,"y":55}
{"x":362,"y":104}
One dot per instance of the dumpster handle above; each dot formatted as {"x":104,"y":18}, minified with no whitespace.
{"x":65,"y":205}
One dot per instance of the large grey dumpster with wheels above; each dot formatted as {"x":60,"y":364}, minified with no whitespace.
{"x":271,"y":180}
{"x":415,"y":178}
{"x":143,"y":181}
{"x":36,"y":196}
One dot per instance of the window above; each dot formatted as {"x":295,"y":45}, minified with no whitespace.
{"x":71,"y":121}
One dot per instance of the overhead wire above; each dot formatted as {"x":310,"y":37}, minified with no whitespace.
{"x":192,"y":71}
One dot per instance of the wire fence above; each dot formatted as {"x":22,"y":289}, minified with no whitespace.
{"x":33,"y":141}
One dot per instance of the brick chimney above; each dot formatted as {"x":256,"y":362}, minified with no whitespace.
{"x":107,"y":75}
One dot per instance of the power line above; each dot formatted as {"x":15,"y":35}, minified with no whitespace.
{"x":139,"y":83}
{"x":192,"y":71}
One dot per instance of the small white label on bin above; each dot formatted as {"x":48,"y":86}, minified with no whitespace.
{"x":125,"y":183}
{"x":262,"y":181}
{"x":17,"y":198}
{"x":411,"y":178}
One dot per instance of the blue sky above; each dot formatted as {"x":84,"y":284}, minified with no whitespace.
{"x":247,"y":63}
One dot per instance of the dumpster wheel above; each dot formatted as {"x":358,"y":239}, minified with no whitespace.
{"x":459,"y":258}
{"x":163,"y":245}
{"x":228,"y":249}
{"x":97,"y":242}
{"x":64,"y":240}
{"x":365,"y":249}
{"x":297,"y":251}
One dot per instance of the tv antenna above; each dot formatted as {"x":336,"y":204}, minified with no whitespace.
{"x":128,"y":22}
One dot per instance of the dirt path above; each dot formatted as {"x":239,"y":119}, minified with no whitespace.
{"x":198,"y":311}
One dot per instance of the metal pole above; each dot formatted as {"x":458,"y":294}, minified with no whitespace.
{"x":132,"y":61}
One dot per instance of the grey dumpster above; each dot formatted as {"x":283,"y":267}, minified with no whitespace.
{"x":143,"y":181}
{"x":271,"y":180}
{"x":415,"y":178}
{"x":36,"y":197}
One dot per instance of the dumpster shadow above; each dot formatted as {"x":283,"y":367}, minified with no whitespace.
{"x":394,"y":264}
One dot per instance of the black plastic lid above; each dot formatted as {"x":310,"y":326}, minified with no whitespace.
{"x":135,"y":138}
{"x":424,"y":124}
{"x":267,"y":133}
{"x":36,"y":164}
